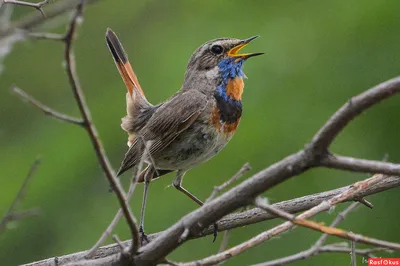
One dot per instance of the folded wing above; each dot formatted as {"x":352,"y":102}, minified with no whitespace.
{"x":167,"y":122}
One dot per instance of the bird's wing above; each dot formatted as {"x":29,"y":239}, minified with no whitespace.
{"x":171,"y":119}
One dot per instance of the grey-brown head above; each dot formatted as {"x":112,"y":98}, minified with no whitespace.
{"x":214,"y":58}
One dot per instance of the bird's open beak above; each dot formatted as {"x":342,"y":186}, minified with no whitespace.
{"x":234,"y":52}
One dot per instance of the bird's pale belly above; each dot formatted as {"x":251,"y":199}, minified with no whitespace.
{"x":197,"y":144}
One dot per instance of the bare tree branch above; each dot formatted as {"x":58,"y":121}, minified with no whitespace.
{"x":117,"y":217}
{"x":37,"y":6}
{"x":291,"y":166}
{"x":317,"y":247}
{"x":32,"y":21}
{"x":47,"y":110}
{"x":339,"y":248}
{"x":360,"y":165}
{"x":92,"y":131}
{"x":88,"y":124}
{"x":124,"y":249}
{"x":323,"y":206}
{"x":252,"y":216}
{"x":12,"y":214}
{"x":196,"y":224}
{"x":47,"y":36}
{"x":326,"y":229}
{"x":355,"y":106}
{"x":333,"y":248}
{"x":353,"y":254}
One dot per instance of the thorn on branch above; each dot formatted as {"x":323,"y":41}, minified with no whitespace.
{"x":184,"y":235}
{"x":366,"y":203}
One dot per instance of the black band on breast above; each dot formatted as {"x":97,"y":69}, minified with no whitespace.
{"x":230,"y":110}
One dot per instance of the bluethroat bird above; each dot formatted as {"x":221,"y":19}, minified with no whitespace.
{"x":194,"y":124}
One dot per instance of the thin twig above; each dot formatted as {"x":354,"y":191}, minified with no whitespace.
{"x":120,"y":244}
{"x":359,"y":165}
{"x":353,"y":253}
{"x":366,"y":203}
{"x":225,"y":241}
{"x":355,"y":106}
{"x":316,"y":248}
{"x":338,"y":248}
{"x":47,"y":36}
{"x":47,"y":110}
{"x":325,"y":229}
{"x":246,"y":167}
{"x":117,"y":217}
{"x":11,"y":214}
{"x":37,"y":6}
{"x":34,"y":20}
{"x":332,"y":248}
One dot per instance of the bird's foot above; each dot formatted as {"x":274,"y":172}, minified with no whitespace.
{"x":215,"y":232}
{"x":143,"y":237}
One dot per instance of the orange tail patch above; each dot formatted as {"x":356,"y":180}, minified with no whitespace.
{"x":122,"y":63}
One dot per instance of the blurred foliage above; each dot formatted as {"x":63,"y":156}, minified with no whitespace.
{"x":318,"y":55}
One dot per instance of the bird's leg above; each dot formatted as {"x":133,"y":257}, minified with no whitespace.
{"x":177,"y":183}
{"x":147,"y":179}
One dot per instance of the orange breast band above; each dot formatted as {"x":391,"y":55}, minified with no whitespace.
{"x":234,"y":88}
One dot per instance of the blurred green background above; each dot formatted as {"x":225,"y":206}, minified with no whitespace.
{"x":317,"y":55}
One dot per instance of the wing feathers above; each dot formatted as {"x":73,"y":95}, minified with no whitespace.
{"x":166,"y":124}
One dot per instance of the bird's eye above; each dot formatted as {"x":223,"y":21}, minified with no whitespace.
{"x":217,"y":49}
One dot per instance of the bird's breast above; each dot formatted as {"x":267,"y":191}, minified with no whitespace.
{"x":227,"y":128}
{"x":234,"y":88}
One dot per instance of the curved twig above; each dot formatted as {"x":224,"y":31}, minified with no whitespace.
{"x":355,"y":106}
{"x":92,"y":131}
{"x":47,"y":110}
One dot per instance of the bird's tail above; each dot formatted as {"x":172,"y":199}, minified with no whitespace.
{"x":135,"y":98}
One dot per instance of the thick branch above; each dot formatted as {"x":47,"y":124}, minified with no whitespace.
{"x":252,"y":216}
{"x":350,"y":110}
{"x":266,"y":179}
{"x":255,"y":241}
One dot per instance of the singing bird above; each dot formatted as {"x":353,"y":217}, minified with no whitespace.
{"x":191,"y":126}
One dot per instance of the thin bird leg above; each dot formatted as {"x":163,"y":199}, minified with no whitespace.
{"x":147,"y":179}
{"x":177,"y":183}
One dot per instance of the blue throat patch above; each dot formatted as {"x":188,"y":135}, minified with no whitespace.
{"x":230,"y":109}
{"x":229,"y":69}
